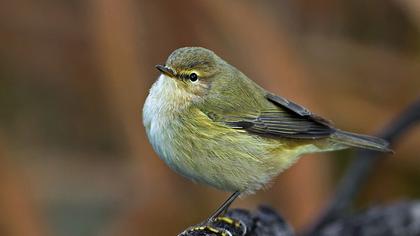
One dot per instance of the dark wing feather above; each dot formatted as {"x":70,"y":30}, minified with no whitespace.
{"x":288,"y":120}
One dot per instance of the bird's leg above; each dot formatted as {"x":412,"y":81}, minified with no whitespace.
{"x":224,"y":207}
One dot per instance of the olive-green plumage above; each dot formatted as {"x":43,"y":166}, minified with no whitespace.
{"x":212,"y":124}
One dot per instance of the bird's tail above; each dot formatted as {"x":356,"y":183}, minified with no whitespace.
{"x":361,"y":141}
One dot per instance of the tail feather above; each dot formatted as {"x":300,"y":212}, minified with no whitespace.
{"x":361,"y":141}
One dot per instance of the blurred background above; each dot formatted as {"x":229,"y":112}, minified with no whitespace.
{"x":74,"y":158}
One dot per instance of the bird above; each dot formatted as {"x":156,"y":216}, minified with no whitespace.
{"x":212,"y":124}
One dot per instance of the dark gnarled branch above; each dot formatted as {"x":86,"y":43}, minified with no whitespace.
{"x":363,"y":164}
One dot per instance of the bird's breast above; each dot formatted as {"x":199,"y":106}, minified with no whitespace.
{"x":160,"y":114}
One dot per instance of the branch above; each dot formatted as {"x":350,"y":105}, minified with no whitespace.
{"x":402,"y":218}
{"x":352,"y":182}
{"x":264,"y":221}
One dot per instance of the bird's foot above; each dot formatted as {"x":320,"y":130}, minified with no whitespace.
{"x":219,"y":226}
{"x":205,"y":230}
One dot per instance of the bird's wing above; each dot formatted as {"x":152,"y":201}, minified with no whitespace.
{"x":286,"y":119}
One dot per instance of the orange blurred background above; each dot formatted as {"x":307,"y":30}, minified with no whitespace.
{"x":74,"y":158}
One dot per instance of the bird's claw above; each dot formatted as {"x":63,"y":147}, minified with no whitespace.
{"x":205,"y":230}
{"x":219,"y":226}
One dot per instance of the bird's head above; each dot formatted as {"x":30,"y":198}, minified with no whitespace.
{"x":192,"y":70}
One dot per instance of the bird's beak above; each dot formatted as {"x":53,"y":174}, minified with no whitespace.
{"x":166,"y":70}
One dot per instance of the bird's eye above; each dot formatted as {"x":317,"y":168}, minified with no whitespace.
{"x":193,"y":77}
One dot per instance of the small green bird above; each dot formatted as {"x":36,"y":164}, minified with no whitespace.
{"x":212,"y":124}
